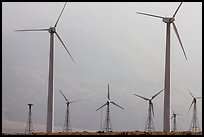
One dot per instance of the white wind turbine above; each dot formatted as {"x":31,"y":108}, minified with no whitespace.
{"x":149,"y":124}
{"x":67,"y":123}
{"x":174,"y":118}
{"x":194,"y":127}
{"x":50,"y":105}
{"x":167,"y":107}
{"x":107,"y":124}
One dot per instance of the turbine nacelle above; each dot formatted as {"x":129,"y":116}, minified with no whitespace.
{"x":30,"y":104}
{"x":168,"y":20}
{"x":67,"y":103}
{"x":175,"y":114}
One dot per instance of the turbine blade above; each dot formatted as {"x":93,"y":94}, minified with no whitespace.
{"x":152,"y":109}
{"x":190,"y":106}
{"x":117,"y":105}
{"x":179,"y":114}
{"x":64,"y":46}
{"x":33,"y":30}
{"x":101,"y":106}
{"x":108,"y":96}
{"x":141,"y":97}
{"x":191,"y":93}
{"x":150,"y":15}
{"x":64,"y":96}
{"x":157,"y":94}
{"x":177,"y":9}
{"x":172,"y":117}
{"x":74,"y":101}
{"x":177,"y":34}
{"x":60,"y":14}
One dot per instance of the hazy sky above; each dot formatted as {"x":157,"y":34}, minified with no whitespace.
{"x":110,"y":44}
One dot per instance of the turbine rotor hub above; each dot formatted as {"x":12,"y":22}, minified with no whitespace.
{"x":168,"y":20}
{"x":51,"y":30}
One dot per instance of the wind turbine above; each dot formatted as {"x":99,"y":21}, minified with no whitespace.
{"x":194,"y":127}
{"x":167,"y":101}
{"x":50,"y":105}
{"x":67,"y":124}
{"x":174,"y":116}
{"x":150,"y":125}
{"x":29,"y":125}
{"x":107,"y":124}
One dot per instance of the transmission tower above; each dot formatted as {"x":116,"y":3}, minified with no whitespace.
{"x":29,"y":125}
{"x":194,"y":126}
{"x":150,"y":125}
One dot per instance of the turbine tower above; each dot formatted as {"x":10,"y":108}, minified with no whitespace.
{"x":29,"y":125}
{"x":174,"y":116}
{"x":149,"y":124}
{"x":50,"y":104}
{"x":67,"y":124}
{"x":194,"y":127}
{"x":167,"y":98}
{"x":107,"y":124}
{"x":101,"y":125}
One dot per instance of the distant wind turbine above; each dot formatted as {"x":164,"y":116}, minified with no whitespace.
{"x":50,"y":105}
{"x":174,"y":117}
{"x":149,"y":124}
{"x":67,"y":123}
{"x":167,"y":101}
{"x":194,"y":127}
{"x":107,"y":124}
{"x":29,"y":125}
